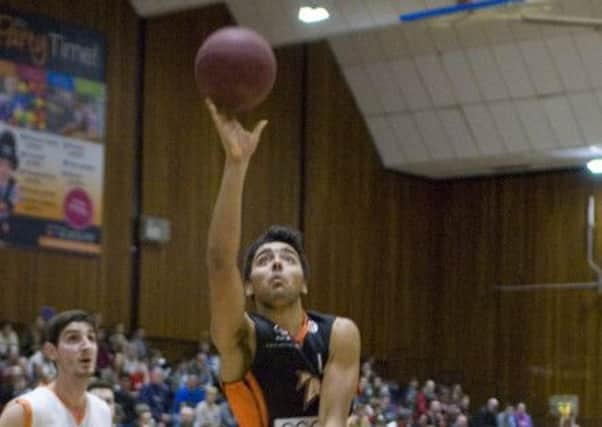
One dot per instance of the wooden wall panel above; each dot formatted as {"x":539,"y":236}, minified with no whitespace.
{"x":183,"y":163}
{"x":65,"y":281}
{"x":530,"y":345}
{"x":371,"y":235}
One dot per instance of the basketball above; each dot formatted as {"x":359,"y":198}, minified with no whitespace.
{"x":236,"y":68}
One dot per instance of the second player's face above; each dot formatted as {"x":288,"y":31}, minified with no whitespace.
{"x":277,"y":277}
{"x":76,"y":351}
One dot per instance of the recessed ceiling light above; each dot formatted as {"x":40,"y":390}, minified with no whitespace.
{"x":595,"y":166}
{"x":310,"y":14}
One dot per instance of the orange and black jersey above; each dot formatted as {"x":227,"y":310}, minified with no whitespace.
{"x":286,"y":374}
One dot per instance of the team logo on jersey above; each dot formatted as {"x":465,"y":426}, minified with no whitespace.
{"x":312,"y":327}
{"x":311,"y":384}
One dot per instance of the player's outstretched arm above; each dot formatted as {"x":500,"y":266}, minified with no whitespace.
{"x":13,"y":416}
{"x":229,"y":324}
{"x":341,"y":374}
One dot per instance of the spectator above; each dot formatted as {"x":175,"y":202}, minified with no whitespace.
{"x":522,"y":418}
{"x":156,"y":395}
{"x":506,"y":418}
{"x":190,"y":394}
{"x":208,"y":412}
{"x":487,"y":415}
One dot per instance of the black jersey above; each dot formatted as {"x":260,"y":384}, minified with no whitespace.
{"x":286,"y":374}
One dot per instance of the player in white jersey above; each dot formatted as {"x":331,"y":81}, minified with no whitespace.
{"x":71,"y":345}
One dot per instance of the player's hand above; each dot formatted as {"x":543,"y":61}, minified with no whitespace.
{"x":239,"y":143}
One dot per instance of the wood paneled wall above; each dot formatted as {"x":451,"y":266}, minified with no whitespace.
{"x":31,"y":279}
{"x":519,"y":345}
{"x":371,"y":234}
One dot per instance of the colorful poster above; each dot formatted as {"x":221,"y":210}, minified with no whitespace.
{"x":52,"y":130}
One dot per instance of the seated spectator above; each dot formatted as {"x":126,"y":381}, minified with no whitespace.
{"x":521,"y":417}
{"x":212,"y":360}
{"x":208,"y":412}
{"x":185,"y":417}
{"x":144,"y":416}
{"x":9,"y":341}
{"x":125,"y":398}
{"x":118,"y":340}
{"x":228,"y":419}
{"x":40,"y":369}
{"x":190,"y":394}
{"x":139,"y":342}
{"x":506,"y":418}
{"x":156,"y":395}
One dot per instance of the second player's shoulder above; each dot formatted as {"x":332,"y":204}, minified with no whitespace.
{"x":345,"y":333}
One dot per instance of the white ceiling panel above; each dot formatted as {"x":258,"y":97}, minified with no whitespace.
{"x":498,"y":32}
{"x":386,"y":141}
{"x":344,"y":50}
{"x":444,"y":38}
{"x":562,"y":120}
{"x":434,"y":136}
{"x":367,"y":46}
{"x":407,"y":134}
{"x":382,"y":12}
{"x":419,"y":39}
{"x":393,"y":43}
{"x":362,"y":90}
{"x":510,"y":126}
{"x":436,"y":80}
{"x":386,"y":88}
{"x":541,"y":67}
{"x":488,"y":76}
{"x":460,"y":74}
{"x":415,"y":93}
{"x":483,"y":127}
{"x":458,"y":133}
{"x":589,"y":44}
{"x":588,"y":114}
{"x":568,"y":62}
{"x":471,"y":34}
{"x":514,"y":70}
{"x":536,"y":124}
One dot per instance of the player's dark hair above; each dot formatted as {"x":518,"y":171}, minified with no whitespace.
{"x":277,"y":233}
{"x":60,"y":321}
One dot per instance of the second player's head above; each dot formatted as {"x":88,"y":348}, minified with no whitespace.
{"x":71,"y":343}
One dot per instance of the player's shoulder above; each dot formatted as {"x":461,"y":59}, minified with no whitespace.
{"x":344,"y":331}
{"x":13,"y":415}
{"x":97,"y":403}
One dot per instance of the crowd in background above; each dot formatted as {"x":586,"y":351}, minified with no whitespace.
{"x":385,"y":403}
{"x":151,"y":391}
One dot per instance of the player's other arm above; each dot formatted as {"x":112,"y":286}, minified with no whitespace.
{"x":13,"y":416}
{"x":229,"y":323}
{"x":341,"y":374}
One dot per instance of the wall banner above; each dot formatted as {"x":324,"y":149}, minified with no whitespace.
{"x":52,"y":132}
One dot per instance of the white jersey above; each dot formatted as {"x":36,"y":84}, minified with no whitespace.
{"x":43,"y":408}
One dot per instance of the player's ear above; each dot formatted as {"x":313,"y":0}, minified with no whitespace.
{"x":304,"y":288}
{"x":249,"y":289}
{"x":50,"y":351}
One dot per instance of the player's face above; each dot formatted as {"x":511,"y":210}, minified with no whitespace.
{"x":76,"y":351}
{"x":277,"y":277}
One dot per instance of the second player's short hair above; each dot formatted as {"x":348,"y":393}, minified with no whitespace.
{"x":276,"y":233}
{"x":59,"y":322}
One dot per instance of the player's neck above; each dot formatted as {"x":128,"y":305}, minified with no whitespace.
{"x":71,"y":391}
{"x":290,"y":318}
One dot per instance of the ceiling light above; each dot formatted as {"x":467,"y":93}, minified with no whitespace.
{"x":310,"y":14}
{"x":595,"y":166}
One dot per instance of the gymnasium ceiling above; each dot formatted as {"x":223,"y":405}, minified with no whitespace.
{"x":468,"y":94}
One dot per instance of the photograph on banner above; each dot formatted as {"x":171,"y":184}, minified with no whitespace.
{"x":52,"y":133}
